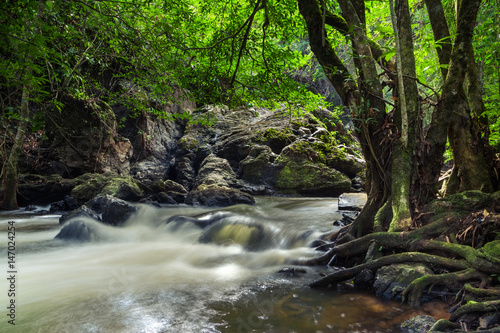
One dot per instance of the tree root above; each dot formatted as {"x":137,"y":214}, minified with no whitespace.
{"x":485,"y":307}
{"x":479,"y":292}
{"x":415,"y":289}
{"x":469,"y":263}
{"x":388,"y":260}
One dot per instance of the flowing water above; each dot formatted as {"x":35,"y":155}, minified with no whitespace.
{"x":149,"y":276}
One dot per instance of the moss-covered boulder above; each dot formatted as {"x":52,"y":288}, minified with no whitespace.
{"x":311,"y":179}
{"x":303,"y":170}
{"x":90,"y":185}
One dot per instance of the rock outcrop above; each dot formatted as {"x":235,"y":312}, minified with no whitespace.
{"x":215,"y":156}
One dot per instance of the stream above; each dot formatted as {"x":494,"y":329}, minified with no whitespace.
{"x":150,"y":276}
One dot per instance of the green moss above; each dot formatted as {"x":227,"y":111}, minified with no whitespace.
{"x":306,"y":177}
{"x":188,"y":142}
{"x":90,"y":185}
{"x":491,"y":251}
{"x":273,"y":133}
{"x":466,"y":201}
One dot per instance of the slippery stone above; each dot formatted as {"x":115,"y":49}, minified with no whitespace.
{"x":218,"y":196}
{"x":418,"y":324}
{"x":83,"y":211}
{"x":352,"y":201}
{"x":114,"y":211}
{"x":392,"y":280}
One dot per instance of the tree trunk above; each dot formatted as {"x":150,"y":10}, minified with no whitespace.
{"x":364,"y":99}
{"x":441,"y":33}
{"x":10,"y":176}
{"x":406,"y":114}
{"x":452,"y":119}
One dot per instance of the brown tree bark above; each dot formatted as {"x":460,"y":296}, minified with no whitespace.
{"x":452,"y":118}
{"x":9,"y":181}
{"x":364,"y":99}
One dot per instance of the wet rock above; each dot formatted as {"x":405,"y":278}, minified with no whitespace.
{"x":202,"y":220}
{"x":218,"y":196}
{"x":364,"y":280}
{"x":59,"y":206}
{"x":352,"y":201}
{"x":390,"y":281}
{"x":292,"y":271}
{"x":252,"y":236}
{"x":42,"y":190}
{"x":418,"y":324}
{"x":114,"y":211}
{"x":309,"y":178}
{"x":30,"y":208}
{"x":83,"y":211}
{"x":91,"y":185}
{"x":165,"y":198}
{"x":171,"y":186}
{"x":79,"y":230}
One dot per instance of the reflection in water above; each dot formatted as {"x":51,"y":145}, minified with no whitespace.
{"x":149,"y":276}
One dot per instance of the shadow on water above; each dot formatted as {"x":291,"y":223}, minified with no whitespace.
{"x":204,"y":271}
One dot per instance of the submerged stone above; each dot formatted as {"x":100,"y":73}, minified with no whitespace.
{"x":418,"y":324}
{"x":252,"y":237}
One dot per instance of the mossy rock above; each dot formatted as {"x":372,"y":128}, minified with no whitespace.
{"x":256,"y":165}
{"x":463,"y":202}
{"x":90,"y":185}
{"x":215,"y":171}
{"x":311,"y":179}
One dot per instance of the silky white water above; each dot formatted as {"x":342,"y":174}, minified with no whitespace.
{"x":151,"y":277}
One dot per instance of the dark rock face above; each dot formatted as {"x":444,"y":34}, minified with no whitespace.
{"x":43,"y":190}
{"x":219,"y":152}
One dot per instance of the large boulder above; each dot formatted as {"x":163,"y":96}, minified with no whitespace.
{"x":90,"y":185}
{"x":213,"y":185}
{"x":80,"y":230}
{"x":114,"y":211}
{"x":83,"y":211}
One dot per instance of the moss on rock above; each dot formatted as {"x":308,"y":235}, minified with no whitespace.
{"x":90,"y":185}
{"x":311,"y":178}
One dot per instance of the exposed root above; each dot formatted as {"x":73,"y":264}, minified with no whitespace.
{"x":388,"y":260}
